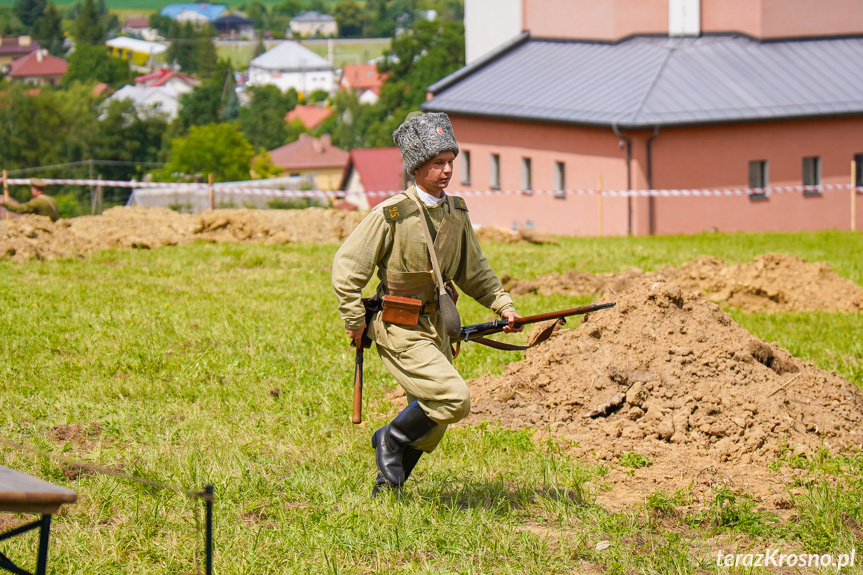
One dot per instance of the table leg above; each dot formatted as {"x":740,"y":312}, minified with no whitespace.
{"x":44,"y":533}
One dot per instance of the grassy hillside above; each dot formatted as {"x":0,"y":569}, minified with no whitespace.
{"x":227,"y":364}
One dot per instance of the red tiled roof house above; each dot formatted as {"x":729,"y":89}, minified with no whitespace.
{"x":316,"y":158}
{"x":39,"y":68}
{"x":372,"y":175}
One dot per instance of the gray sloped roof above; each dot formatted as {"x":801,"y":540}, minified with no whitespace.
{"x":289,"y":55}
{"x":653,"y":81}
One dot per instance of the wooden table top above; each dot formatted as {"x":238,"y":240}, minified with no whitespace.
{"x":22,"y":493}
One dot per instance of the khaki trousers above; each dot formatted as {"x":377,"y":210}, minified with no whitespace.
{"x":424,"y":369}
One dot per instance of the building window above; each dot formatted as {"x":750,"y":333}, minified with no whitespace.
{"x":494,"y":181}
{"x":758,"y":178}
{"x":559,"y":180}
{"x":526,"y":174}
{"x":858,"y":162}
{"x":465,"y":167}
{"x":812,"y":176}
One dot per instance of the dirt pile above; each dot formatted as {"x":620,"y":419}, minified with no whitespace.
{"x":671,"y":376}
{"x":769,"y":283}
{"x":30,"y":237}
{"x":492,"y":234}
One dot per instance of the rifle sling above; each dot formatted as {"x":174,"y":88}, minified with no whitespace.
{"x":543,"y":335}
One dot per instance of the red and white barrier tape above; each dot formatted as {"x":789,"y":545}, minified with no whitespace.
{"x":467,"y":193}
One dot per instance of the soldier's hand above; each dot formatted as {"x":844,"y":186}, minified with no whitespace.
{"x":356,"y":335}
{"x":510,"y":317}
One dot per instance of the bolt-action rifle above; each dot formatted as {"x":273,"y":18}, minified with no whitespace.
{"x":477,"y":332}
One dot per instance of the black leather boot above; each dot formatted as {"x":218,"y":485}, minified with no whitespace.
{"x":391,"y":440}
{"x":410,"y":457}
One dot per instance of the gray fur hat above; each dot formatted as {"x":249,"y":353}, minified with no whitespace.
{"x":422,"y":137}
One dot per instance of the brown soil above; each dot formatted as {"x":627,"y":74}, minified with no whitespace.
{"x":30,"y":237}
{"x":491,"y":234}
{"x":670,"y":376}
{"x":769,"y":283}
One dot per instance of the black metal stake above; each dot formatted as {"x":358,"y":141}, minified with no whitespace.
{"x":208,"y":489}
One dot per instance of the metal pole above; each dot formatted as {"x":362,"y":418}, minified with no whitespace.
{"x":208,"y":550}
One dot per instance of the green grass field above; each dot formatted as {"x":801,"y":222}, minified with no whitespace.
{"x":227,"y":364}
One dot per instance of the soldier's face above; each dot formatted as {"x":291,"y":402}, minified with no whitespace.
{"x":434,"y":175}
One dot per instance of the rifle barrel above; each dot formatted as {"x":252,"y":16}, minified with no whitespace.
{"x":564,"y":313}
{"x":482,"y":329}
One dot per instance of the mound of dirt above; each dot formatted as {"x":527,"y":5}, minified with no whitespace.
{"x":769,"y":283}
{"x":671,"y":376}
{"x":30,"y":237}
{"x":492,"y":234}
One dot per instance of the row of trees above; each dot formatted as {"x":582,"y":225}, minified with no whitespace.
{"x":88,"y":22}
{"x":355,"y":19}
{"x":213,"y":133}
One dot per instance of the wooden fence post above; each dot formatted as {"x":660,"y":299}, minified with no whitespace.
{"x":853,"y":195}
{"x":5,"y":192}
{"x":212,"y":193}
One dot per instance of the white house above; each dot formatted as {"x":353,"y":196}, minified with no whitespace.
{"x":311,"y":23}
{"x":290,"y":65}
{"x":151,"y":100}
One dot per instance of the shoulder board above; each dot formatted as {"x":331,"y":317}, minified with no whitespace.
{"x":459,"y":203}
{"x":398,"y":210}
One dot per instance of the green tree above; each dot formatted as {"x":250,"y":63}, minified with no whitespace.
{"x":48,"y":30}
{"x":263,"y":118}
{"x":182,"y":48}
{"x":214,"y":100}
{"x":162,"y":24}
{"x":88,"y":27}
{"x":350,"y":19}
{"x":263,"y":166}
{"x":124,"y":135}
{"x":9,"y":22}
{"x":430,"y":51}
{"x":218,"y":149}
{"x":28,"y":11}
{"x":90,"y":64}
{"x":204,"y":57}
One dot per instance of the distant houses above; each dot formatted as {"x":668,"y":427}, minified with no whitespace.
{"x":14,"y":47}
{"x":139,"y":27}
{"x":39,"y":68}
{"x":372,"y":170}
{"x":311,"y":23}
{"x":200,"y":12}
{"x":290,"y":65}
{"x":234,"y":27}
{"x":140,"y":52}
{"x":310,"y":116}
{"x":313,"y":157}
{"x":364,"y":80}
{"x":157,"y":93}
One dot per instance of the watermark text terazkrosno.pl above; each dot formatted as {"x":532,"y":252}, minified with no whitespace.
{"x":775,"y":558}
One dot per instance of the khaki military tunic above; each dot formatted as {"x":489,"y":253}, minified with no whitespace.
{"x":391,"y":243}
{"x":41,"y":205}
